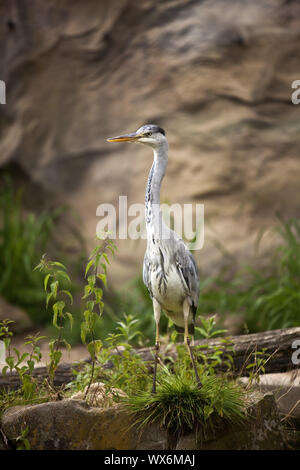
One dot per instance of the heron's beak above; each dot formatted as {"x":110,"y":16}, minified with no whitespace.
{"x":125,"y":138}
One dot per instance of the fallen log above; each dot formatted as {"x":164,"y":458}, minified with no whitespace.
{"x":278,"y":347}
{"x":276,"y":344}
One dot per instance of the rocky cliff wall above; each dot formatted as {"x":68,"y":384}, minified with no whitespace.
{"x":215,"y":74}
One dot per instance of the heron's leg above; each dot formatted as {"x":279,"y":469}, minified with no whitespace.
{"x":186,"y":312}
{"x":157,"y":312}
{"x":193,"y":338}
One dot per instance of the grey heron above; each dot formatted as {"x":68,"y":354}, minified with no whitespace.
{"x":169,"y":270}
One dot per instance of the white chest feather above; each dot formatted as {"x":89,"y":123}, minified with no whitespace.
{"x":167,"y":286}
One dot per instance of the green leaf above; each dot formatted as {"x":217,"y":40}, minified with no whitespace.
{"x":88,"y":266}
{"x":30,"y":365}
{"x":87,"y":291}
{"x":54,"y":287}
{"x":91,"y":350}
{"x":91,"y":280}
{"x":10,"y":362}
{"x":51,"y":345}
{"x":23,"y":357}
{"x":106,"y":258}
{"x":111,"y":249}
{"x":57,"y":263}
{"x":64,"y":275}
{"x":17,"y":353}
{"x":94,"y":348}
{"x":46,"y":279}
{"x":99,"y":345}
{"x":39,"y":266}
{"x":98,"y":294}
{"x":90,"y":305}
{"x":83,"y":331}
{"x":49,"y":296}
{"x":103,"y":278}
{"x":66,"y":292}
{"x":71,"y":319}
{"x":54,"y":321}
{"x":101,"y":306}
{"x":56,"y":356}
{"x":68,"y":346}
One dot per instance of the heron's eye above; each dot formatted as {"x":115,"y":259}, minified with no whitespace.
{"x":148,"y":134}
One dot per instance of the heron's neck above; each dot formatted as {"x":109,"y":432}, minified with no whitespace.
{"x":152,"y":199}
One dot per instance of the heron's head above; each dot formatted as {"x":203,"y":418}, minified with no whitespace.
{"x":150,"y":134}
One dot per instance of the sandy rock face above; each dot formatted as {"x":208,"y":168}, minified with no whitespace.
{"x":73,"y":424}
{"x":22,"y":322}
{"x":216,"y":75}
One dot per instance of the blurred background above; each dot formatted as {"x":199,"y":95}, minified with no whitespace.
{"x":217,"y":77}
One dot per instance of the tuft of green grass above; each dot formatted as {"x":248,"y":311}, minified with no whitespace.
{"x":180,"y":406}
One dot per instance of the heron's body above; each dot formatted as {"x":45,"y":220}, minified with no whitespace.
{"x":169,"y":271}
{"x":167,"y":280}
{"x":164,"y":281}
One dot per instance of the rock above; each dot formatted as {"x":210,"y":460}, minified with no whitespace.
{"x":216,"y":75}
{"x":73,"y":424}
{"x":262,"y":431}
{"x":99,"y":395}
{"x":286,"y":389}
{"x":21,"y":320}
{"x":4,"y":444}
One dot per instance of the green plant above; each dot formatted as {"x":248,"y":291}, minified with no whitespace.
{"x":22,"y":441}
{"x":94,"y":293}
{"x":257,"y":366}
{"x":127,"y":329}
{"x":6,"y":333}
{"x":129,"y":371}
{"x":22,"y":237}
{"x":213,"y":356}
{"x":54,"y":286}
{"x":24,"y":363}
{"x":180,"y":406}
{"x":267,"y":298}
{"x":134,"y":299}
{"x":275,"y":290}
{"x":208,"y":329}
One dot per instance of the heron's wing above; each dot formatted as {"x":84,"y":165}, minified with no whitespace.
{"x":188,"y":271}
{"x":146,"y":273}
